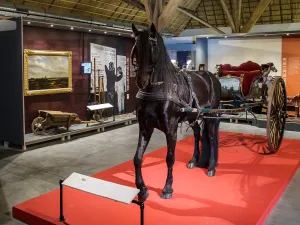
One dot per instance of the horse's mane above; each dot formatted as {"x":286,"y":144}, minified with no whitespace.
{"x":164,"y":70}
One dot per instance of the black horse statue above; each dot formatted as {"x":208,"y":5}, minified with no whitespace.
{"x":163,"y":91}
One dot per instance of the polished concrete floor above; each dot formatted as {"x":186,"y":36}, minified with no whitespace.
{"x":24,"y":175}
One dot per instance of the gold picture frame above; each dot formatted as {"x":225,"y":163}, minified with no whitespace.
{"x":60,"y":77}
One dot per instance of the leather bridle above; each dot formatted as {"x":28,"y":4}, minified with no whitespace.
{"x":154,"y":49}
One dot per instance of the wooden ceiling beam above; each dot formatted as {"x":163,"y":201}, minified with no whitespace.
{"x":258,"y":11}
{"x":149,"y":11}
{"x":237,"y":11}
{"x":200,"y":20}
{"x":228,"y":15}
{"x":167,"y":12}
{"x":136,"y":4}
{"x":157,"y":11}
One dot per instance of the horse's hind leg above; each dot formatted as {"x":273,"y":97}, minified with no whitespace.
{"x":171,"y":137}
{"x":193,"y":162}
{"x":213,"y":132}
{"x":205,"y":153}
{"x":145,"y":134}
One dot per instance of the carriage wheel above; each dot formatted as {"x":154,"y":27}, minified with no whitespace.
{"x":276,"y":114}
{"x":36,"y":125}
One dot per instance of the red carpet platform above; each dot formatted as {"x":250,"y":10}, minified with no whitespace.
{"x":244,"y":191}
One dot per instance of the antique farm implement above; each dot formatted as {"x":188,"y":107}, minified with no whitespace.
{"x":47,"y":118}
{"x":244,"y":89}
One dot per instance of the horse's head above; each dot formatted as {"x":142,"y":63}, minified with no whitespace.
{"x":146,"y":50}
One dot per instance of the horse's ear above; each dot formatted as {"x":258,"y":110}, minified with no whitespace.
{"x":135,"y":30}
{"x":153,"y":28}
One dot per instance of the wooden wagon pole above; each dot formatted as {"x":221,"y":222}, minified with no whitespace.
{"x":95,"y":99}
{"x":102,"y":88}
{"x":99,"y":85}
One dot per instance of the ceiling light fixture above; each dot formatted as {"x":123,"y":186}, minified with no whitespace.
{"x":225,"y":36}
{"x":287,"y":34}
{"x":28,"y":22}
{"x":90,"y":30}
{"x":119,"y":34}
{"x":105,"y":32}
{"x":51,"y":25}
{"x":72,"y":28}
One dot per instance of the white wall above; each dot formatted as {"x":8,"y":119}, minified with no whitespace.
{"x":201,"y":52}
{"x":237,"y":51}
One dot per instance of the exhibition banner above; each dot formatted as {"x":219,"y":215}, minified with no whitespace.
{"x":120,"y":85}
{"x":105,"y":65}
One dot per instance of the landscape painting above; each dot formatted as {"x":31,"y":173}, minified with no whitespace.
{"x":47,"y":72}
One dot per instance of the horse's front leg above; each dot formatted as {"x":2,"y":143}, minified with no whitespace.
{"x":145,"y":134}
{"x":171,"y":137}
{"x":193,"y":162}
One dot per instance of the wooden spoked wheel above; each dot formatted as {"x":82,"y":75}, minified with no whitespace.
{"x":36,"y":125}
{"x":276,"y":114}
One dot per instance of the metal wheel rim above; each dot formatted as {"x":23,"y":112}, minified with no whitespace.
{"x":276,"y":115}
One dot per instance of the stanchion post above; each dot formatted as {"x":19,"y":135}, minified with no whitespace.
{"x":142,"y":207}
{"x":61,"y":213}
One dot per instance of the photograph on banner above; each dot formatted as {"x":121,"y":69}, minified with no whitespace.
{"x":105,"y":65}
{"x":120,"y":85}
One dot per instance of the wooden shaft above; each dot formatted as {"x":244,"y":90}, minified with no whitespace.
{"x":95,"y":99}
{"x":102,"y":87}
{"x":99,"y":91}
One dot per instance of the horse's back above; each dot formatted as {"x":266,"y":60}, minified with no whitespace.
{"x":206,"y":87}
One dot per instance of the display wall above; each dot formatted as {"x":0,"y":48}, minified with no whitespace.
{"x":78,"y":43}
{"x":236,"y":51}
{"x":11,"y":82}
{"x":291,"y":64}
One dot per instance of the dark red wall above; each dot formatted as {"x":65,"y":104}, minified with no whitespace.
{"x":36,"y":38}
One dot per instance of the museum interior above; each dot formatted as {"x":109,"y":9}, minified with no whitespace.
{"x":150,"y":112}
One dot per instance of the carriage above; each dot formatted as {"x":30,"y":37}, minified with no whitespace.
{"x":248,"y":87}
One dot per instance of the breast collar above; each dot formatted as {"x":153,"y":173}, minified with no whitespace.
{"x":169,"y":95}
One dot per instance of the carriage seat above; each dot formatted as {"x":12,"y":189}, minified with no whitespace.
{"x":249,"y":69}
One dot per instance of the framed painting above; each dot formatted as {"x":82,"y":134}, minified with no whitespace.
{"x":47,"y":72}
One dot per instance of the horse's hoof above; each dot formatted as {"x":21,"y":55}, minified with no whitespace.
{"x":211,"y":173}
{"x":166,"y":195}
{"x":191,"y":165}
{"x":143,"y":197}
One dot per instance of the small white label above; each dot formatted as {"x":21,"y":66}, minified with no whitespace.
{"x":127,"y":96}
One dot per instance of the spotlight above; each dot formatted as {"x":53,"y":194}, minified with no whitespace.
{"x":119,"y":34}
{"x":132,"y":35}
{"x":266,"y":35}
{"x":287,"y":34}
{"x":90,"y":30}
{"x":105,"y":32}
{"x":72,"y":28}
{"x":225,"y":36}
{"x":51,"y":25}
{"x":207,"y":37}
{"x":28,"y":22}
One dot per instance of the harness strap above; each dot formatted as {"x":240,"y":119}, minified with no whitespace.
{"x":161,"y":96}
